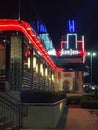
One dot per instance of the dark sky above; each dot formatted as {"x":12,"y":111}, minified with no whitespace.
{"x":55,"y":14}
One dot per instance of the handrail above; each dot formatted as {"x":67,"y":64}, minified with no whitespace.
{"x":13,"y":111}
{"x":6,"y":94}
{"x":16,"y":102}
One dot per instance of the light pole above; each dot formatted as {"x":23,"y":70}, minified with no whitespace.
{"x":91,"y":54}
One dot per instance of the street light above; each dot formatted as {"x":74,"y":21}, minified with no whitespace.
{"x":91,"y":54}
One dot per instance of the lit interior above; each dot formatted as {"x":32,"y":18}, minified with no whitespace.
{"x":28,"y":62}
{"x":46,"y":72}
{"x":41,"y":69}
{"x":34,"y":62}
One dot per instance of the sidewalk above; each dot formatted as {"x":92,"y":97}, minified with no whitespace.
{"x":80,"y":119}
{"x":77,"y":119}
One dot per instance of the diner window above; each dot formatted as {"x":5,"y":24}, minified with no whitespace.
{"x":27,"y":58}
{"x":2,"y":59}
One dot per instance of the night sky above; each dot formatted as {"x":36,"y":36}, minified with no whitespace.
{"x":55,"y":14}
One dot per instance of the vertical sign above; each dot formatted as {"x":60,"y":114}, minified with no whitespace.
{"x":71,"y":26}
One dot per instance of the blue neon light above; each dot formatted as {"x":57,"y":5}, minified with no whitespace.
{"x":41,"y":27}
{"x":71,"y":26}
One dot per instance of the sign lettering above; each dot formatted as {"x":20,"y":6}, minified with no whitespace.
{"x":69,"y":52}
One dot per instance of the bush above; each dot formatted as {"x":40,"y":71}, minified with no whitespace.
{"x":89,"y":104}
{"x":74,"y":99}
{"x":93,"y":93}
{"x":39,"y":96}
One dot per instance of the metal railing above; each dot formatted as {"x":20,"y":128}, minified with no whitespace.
{"x":12,"y":109}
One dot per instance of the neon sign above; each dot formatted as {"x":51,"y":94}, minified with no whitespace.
{"x":71,"y":26}
{"x":69,"y":36}
{"x":41,"y":27}
{"x":69,"y":52}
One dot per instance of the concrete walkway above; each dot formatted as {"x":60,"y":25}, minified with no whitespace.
{"x":80,"y":119}
{"x":77,"y":119}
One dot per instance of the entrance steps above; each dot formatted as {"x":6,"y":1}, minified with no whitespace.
{"x":6,"y":125}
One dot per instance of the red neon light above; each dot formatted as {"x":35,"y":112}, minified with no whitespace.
{"x":79,"y":41}
{"x":62,"y":43}
{"x":27,"y":30}
{"x":81,"y":53}
{"x":58,"y":52}
{"x":27,"y":53}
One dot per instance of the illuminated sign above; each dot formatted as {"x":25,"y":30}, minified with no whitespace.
{"x":69,"y":52}
{"x":71,"y":26}
{"x":72,"y":46}
{"x":72,"y":41}
{"x":41,"y":27}
{"x":52,"y":52}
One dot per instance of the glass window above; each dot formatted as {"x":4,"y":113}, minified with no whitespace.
{"x":2,"y":59}
{"x":27,"y":58}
